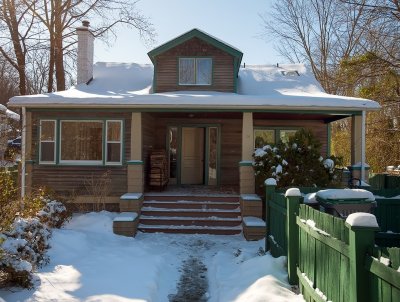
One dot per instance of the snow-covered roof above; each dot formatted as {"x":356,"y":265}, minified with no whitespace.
{"x":287,"y":87}
{"x":10,"y":114}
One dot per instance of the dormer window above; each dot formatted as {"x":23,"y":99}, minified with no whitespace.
{"x":195,"y":71}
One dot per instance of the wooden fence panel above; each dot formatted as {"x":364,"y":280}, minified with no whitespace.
{"x":384,"y":276}
{"x":277,"y":232}
{"x":323,"y":255}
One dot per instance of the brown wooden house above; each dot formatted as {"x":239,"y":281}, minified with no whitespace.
{"x":197,"y":108}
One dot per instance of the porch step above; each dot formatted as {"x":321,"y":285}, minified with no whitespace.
{"x":184,"y":229}
{"x":219,"y":215}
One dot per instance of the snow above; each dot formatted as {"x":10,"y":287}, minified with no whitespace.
{"x":131,"y":196}
{"x":310,"y":198}
{"x":10,"y":114}
{"x":384,"y":260}
{"x":259,"y":87}
{"x":90,"y":263}
{"x":259,"y":152}
{"x":270,"y":182}
{"x":250,"y":197}
{"x":337,"y":194}
{"x":252,"y":221}
{"x":358,"y":165}
{"x":329,"y":164}
{"x":292,"y":192}
{"x":126,"y":216}
{"x":362,"y":220}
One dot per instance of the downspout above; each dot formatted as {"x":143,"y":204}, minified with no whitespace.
{"x":363,"y":146}
{"x":23,"y":156}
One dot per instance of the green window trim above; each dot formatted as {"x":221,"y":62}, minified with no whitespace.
{"x":98,"y":163}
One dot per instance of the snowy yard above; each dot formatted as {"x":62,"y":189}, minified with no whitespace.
{"x":90,"y":263}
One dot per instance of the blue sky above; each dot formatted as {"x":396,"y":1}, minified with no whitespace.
{"x":237,"y":22}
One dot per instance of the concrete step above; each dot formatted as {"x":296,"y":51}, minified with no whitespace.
{"x":178,"y":197}
{"x":182,"y":212}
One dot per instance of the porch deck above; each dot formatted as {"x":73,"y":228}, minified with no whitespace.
{"x":195,"y":191}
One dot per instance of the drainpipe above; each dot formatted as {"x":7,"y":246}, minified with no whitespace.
{"x":23,"y":156}
{"x":363,"y":146}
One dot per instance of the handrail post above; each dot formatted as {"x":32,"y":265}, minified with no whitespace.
{"x":362,"y":228}
{"x":292,"y":233}
{"x":270,"y":185}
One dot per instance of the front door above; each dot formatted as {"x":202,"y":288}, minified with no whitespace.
{"x":192,"y":167}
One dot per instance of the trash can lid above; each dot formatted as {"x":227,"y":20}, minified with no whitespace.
{"x":345,"y":196}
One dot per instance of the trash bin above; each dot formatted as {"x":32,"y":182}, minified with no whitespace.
{"x":343,"y":202}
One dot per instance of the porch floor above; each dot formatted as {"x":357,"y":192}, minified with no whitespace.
{"x":196,"y":190}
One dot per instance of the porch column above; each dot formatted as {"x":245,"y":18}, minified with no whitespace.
{"x":135,"y":162}
{"x":246,"y":172}
{"x":28,"y":153}
{"x":358,"y":142}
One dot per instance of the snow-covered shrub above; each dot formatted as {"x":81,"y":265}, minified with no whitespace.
{"x":23,"y":248}
{"x":296,"y":163}
{"x":54,"y":214}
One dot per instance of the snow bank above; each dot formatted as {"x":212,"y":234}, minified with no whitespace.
{"x":362,"y":220}
{"x":89,"y":263}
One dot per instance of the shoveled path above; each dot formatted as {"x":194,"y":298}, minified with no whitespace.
{"x":193,"y":283}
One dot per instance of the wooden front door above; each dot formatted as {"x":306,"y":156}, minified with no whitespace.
{"x":192,"y":171}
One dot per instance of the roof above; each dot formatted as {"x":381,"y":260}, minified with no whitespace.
{"x":10,"y":114}
{"x":197,"y":33}
{"x":264,"y":87}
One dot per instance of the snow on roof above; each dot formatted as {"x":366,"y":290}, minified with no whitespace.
{"x":259,"y":87}
{"x":10,"y":114}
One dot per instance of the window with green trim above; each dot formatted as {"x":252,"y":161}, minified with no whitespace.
{"x":195,"y":71}
{"x":270,"y":136}
{"x":47,"y":145}
{"x":81,"y":142}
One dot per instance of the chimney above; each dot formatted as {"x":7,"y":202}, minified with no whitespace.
{"x":85,"y":53}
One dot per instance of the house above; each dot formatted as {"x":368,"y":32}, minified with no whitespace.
{"x":196,"y":101}
{"x":7,"y":119}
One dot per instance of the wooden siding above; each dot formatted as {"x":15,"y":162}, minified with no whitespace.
{"x":318,"y":127}
{"x":166,"y":77}
{"x":69,"y":180}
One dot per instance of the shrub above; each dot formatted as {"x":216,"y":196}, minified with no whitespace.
{"x":296,"y":163}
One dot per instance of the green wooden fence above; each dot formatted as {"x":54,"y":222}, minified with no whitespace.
{"x":329,"y":259}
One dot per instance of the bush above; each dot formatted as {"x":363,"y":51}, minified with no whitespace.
{"x":25,"y":231}
{"x":296,"y":163}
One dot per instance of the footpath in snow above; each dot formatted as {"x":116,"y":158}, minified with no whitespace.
{"x":89,"y":263}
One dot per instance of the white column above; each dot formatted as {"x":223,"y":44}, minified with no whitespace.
{"x":363,"y":146}
{"x":246,"y":172}
{"x":23,"y":153}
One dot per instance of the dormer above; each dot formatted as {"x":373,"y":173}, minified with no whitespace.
{"x":195,"y":61}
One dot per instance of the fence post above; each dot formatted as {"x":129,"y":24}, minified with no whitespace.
{"x":270,"y":185}
{"x":362,"y":228}
{"x":292,"y":232}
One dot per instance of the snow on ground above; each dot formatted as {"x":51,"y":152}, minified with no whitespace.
{"x":89,"y":263}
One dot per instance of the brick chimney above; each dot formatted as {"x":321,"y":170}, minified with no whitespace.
{"x":85,"y":53}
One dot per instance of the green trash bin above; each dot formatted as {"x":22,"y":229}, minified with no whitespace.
{"x":343,"y":202}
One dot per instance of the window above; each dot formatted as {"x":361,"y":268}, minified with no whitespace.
{"x":263,"y":137}
{"x":285,"y":135}
{"x":195,"y":71}
{"x":81,"y":141}
{"x":113,"y":143}
{"x":47,"y":142}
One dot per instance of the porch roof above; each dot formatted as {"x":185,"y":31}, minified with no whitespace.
{"x":260,"y":88}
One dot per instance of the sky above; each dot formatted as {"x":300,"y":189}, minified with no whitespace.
{"x":236,"y":22}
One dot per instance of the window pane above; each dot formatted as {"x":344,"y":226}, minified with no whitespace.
{"x":114,"y":131}
{"x":47,"y":130}
{"x":47,"y":151}
{"x":212,"y":157}
{"x":285,"y":135}
{"x":81,"y":140}
{"x":173,"y":145}
{"x":186,"y":71}
{"x":203,"y":72}
{"x":114,"y":152}
{"x":263,"y":137}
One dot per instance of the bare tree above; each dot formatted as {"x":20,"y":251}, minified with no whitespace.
{"x":61,"y":17}
{"x":320,"y":33}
